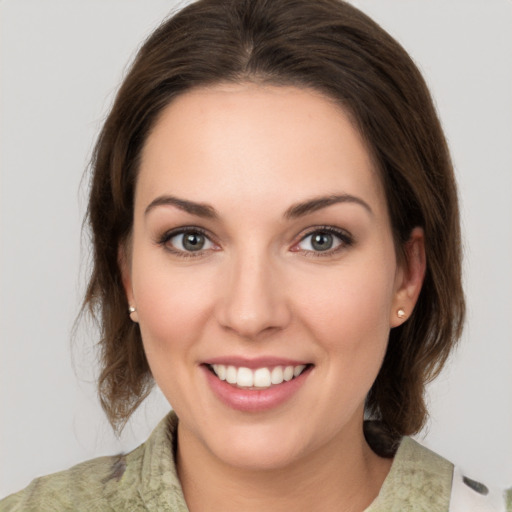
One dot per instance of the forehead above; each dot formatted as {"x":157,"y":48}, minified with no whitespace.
{"x":248,"y":142}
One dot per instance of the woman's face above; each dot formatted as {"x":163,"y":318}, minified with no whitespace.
{"x":261,"y":251}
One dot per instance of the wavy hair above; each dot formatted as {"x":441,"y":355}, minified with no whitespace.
{"x":331,"y":47}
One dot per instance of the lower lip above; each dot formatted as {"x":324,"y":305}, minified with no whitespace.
{"x":254,"y":400}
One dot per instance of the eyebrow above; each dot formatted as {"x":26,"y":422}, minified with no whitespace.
{"x":199,"y":209}
{"x":317,"y":203}
{"x":296,"y":210}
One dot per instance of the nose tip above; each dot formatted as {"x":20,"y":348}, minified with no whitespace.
{"x":249,"y":325}
{"x":254,"y":302}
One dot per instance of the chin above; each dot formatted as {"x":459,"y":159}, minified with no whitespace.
{"x":260,"y":455}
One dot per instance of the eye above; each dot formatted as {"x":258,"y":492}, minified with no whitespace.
{"x":324,"y":240}
{"x":187,"y":241}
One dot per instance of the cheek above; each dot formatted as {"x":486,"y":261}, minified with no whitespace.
{"x":172,"y":304}
{"x":349,"y":313}
{"x":173,"y":312}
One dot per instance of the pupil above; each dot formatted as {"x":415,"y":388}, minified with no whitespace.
{"x":193,"y":242}
{"x":322,"y":241}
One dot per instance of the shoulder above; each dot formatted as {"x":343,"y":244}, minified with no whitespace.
{"x":419,"y":479}
{"x":468,"y":494}
{"x":87,"y":486}
{"x":144,"y":478}
{"x":422,"y":480}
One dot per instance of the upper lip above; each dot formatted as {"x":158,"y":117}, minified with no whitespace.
{"x":254,"y":363}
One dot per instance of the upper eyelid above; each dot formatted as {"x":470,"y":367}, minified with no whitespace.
{"x":346,"y":240}
{"x":342,"y":233}
{"x":166,"y":235}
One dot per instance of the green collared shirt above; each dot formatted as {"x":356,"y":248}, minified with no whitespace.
{"x":146,"y":480}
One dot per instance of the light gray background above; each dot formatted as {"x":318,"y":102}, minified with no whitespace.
{"x":60,"y":64}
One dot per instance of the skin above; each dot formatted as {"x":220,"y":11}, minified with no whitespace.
{"x":260,"y":288}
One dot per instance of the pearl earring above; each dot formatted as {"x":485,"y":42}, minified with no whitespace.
{"x":131,"y":309}
{"x":400,"y":313}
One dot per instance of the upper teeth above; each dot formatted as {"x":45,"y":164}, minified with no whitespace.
{"x":259,"y":378}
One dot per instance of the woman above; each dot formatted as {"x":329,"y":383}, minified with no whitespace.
{"x":276,"y":240}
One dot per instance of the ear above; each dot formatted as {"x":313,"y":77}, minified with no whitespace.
{"x":124,"y":262}
{"x":410,"y":276}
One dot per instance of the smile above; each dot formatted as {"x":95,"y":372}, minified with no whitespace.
{"x":259,"y":378}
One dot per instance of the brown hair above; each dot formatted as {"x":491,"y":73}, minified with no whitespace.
{"x":329,"y":46}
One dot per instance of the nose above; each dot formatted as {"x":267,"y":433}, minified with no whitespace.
{"x":253,"y":302}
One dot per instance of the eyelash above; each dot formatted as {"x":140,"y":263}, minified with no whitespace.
{"x":168,"y":235}
{"x":345,"y":239}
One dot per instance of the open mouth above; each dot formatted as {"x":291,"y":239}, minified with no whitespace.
{"x":259,"y":378}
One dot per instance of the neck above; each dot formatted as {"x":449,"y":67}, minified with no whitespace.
{"x":344,"y":475}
